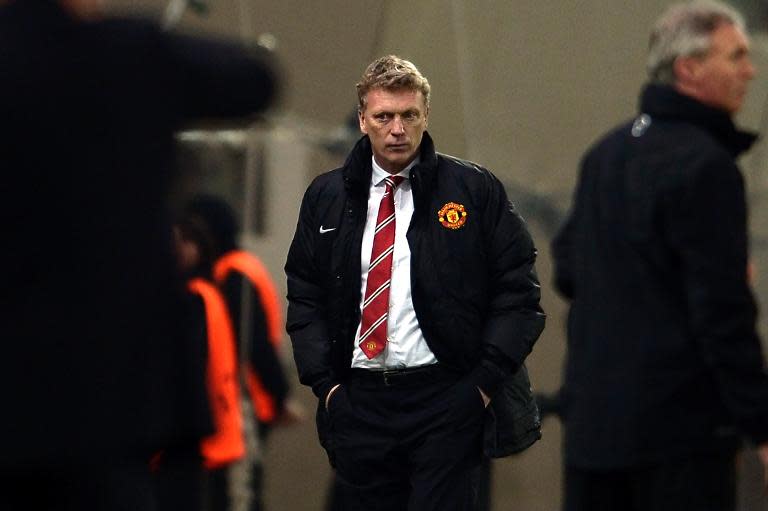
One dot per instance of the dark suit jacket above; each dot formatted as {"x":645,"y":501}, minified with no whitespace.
{"x":663,"y":357}
{"x":91,"y":339}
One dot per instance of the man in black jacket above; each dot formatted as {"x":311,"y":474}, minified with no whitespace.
{"x":93,"y":383}
{"x":664,"y":369}
{"x":412,"y":297}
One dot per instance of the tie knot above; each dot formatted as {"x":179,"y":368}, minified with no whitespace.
{"x":394,"y":181}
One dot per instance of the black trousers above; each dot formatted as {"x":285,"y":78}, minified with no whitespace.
{"x":408,"y":443}
{"x":701,"y":482}
{"x":216,"y":494}
{"x":179,"y":479}
{"x":335,"y":499}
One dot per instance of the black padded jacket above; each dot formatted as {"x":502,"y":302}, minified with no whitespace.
{"x":474,"y":288}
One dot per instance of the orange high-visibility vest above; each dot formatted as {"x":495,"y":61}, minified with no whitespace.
{"x":253,"y":269}
{"x":227,"y":443}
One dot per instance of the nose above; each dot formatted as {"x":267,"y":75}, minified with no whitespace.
{"x":749,"y":70}
{"x":397,"y":126}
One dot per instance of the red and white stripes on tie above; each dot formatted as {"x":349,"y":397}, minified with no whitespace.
{"x":373,"y":328}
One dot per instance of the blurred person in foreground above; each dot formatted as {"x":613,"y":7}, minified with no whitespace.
{"x":665,"y":372}
{"x":257,"y":317}
{"x":92,"y":338}
{"x":413,"y":303}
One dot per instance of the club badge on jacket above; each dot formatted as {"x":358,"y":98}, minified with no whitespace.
{"x":452,"y":215}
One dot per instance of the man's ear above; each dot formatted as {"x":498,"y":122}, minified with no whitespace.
{"x":361,"y":122}
{"x":686,"y":70}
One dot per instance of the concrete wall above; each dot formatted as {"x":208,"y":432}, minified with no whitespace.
{"x":520,"y":86}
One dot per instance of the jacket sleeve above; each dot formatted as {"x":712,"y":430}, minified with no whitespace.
{"x":708,"y":230}
{"x":191,"y":372}
{"x":306,"y":318}
{"x":561,"y":253}
{"x":515,"y":318}
{"x":221,"y":79}
{"x":563,"y":243}
{"x":262,"y":356}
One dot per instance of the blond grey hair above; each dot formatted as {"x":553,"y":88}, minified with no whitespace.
{"x":391,"y":73}
{"x":684,"y":30}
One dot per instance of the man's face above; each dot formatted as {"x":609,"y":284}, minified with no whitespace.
{"x":395,"y":122}
{"x":187,"y":252}
{"x":722,"y":75}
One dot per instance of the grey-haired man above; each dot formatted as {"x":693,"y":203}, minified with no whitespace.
{"x":665,"y":370}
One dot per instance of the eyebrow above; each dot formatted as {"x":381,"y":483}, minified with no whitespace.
{"x":402,"y":112}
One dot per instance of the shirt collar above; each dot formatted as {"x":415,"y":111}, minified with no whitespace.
{"x":379,"y":173}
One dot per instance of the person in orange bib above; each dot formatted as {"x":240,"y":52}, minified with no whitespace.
{"x":256,"y":311}
{"x":226,"y":445}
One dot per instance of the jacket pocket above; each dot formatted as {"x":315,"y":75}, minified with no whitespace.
{"x":513,"y":423}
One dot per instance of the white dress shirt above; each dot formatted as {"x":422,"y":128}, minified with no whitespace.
{"x":406,"y":346}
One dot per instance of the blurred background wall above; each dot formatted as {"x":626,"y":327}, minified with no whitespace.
{"x":521,"y":86}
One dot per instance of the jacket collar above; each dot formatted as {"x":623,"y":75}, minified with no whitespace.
{"x":357,"y":168}
{"x":664,"y":102}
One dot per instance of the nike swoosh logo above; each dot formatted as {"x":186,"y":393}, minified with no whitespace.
{"x":323,"y":231}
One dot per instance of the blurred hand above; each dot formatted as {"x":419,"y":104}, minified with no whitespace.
{"x":293,"y":413}
{"x":751,"y":272}
{"x":762,"y":454}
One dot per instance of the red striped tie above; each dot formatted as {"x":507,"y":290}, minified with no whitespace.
{"x":373,"y":328}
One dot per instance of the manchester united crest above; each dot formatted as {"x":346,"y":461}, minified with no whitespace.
{"x":452,"y":215}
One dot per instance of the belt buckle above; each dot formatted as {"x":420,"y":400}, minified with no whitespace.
{"x":387,"y":375}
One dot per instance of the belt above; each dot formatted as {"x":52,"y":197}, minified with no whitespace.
{"x":404,"y":376}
